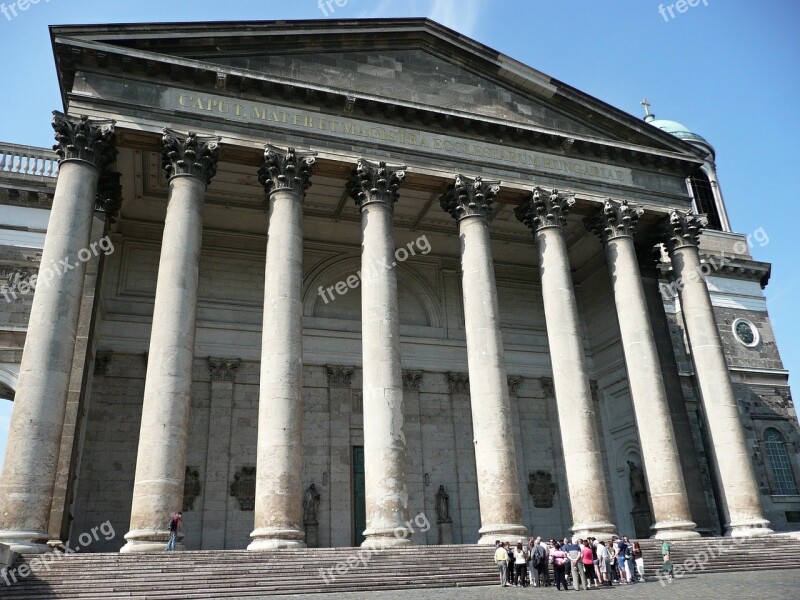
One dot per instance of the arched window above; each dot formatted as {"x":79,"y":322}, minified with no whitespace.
{"x":704,"y":199}
{"x":780,"y":463}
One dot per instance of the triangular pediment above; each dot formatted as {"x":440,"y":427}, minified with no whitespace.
{"x":408,"y":75}
{"x":406,"y":64}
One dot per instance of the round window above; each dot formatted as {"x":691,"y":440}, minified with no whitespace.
{"x":745,"y":332}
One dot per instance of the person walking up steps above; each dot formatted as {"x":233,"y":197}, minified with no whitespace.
{"x":666,"y":566}
{"x":175,"y":523}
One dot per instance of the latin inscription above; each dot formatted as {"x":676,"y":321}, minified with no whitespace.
{"x":347,"y":129}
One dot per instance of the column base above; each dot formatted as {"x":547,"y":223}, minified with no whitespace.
{"x":598,"y":530}
{"x":386,"y":538}
{"x":149,"y":540}
{"x":26,"y":542}
{"x":675,"y":530}
{"x":505,"y":532}
{"x":275,"y":538}
{"x":748,"y":528}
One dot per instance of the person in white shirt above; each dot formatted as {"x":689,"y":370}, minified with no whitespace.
{"x":520,"y":565}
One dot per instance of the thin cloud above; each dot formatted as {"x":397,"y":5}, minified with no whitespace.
{"x":457,"y":14}
{"x":376,"y":11}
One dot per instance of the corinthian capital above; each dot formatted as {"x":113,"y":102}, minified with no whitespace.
{"x":616,"y":219}
{"x":290,"y":170}
{"x":542,"y":210}
{"x":469,"y":197}
{"x":79,"y":138}
{"x":375,"y":182}
{"x":223,"y":369}
{"x":683,"y":228}
{"x":190,"y":154}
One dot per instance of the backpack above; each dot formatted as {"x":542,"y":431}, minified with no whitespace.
{"x":173,"y":524}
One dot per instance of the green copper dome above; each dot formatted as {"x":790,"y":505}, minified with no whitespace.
{"x":678,"y":130}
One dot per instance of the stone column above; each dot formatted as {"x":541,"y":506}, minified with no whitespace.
{"x":84,"y":148}
{"x":190,"y":161}
{"x":374,"y":189}
{"x":469,"y":202}
{"x":215,"y":494}
{"x":285,"y":176}
{"x":615,"y":226}
{"x":740,"y":489}
{"x":696,"y":488}
{"x":545,"y":215}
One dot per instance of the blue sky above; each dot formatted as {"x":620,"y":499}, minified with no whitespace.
{"x":730,"y":71}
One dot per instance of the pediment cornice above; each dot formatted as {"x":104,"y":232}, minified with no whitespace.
{"x":172,"y":54}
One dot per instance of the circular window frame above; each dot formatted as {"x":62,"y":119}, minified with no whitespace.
{"x":753,"y":328}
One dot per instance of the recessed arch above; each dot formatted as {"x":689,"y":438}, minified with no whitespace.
{"x":418,"y":303}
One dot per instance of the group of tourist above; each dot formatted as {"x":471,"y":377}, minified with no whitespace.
{"x":577,"y":563}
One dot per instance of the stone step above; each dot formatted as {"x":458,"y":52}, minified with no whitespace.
{"x":203,"y":574}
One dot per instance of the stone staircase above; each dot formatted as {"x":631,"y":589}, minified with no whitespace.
{"x":239,"y":573}
{"x":724,"y":555}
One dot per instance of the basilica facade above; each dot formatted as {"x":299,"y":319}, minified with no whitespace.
{"x":320,"y":283}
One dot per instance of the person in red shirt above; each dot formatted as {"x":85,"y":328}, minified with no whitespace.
{"x":587,"y":557}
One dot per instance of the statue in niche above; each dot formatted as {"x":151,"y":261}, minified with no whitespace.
{"x":442,"y":506}
{"x":310,"y":505}
{"x":637,"y":485}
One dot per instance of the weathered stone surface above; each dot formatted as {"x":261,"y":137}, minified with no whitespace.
{"x":164,"y":438}
{"x":583,"y":460}
{"x":29,"y":473}
{"x":469,"y":202}
{"x":279,"y":485}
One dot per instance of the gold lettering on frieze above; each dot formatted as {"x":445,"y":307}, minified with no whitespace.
{"x":345,"y":128}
